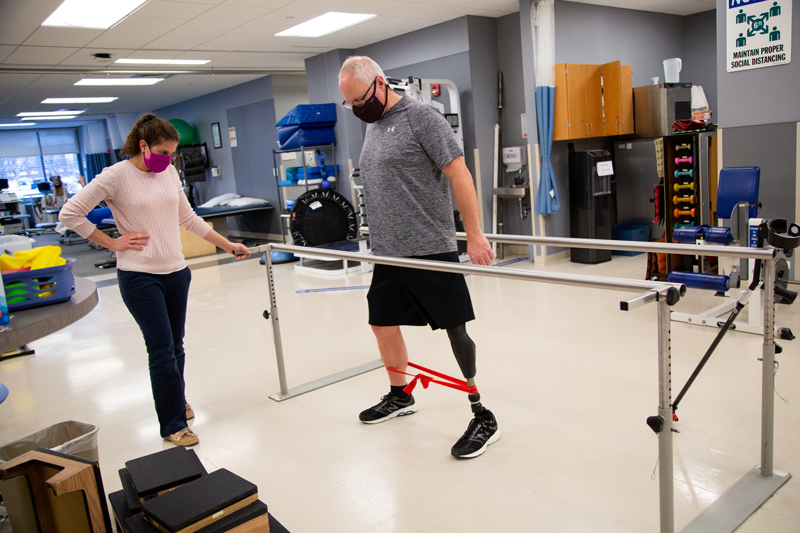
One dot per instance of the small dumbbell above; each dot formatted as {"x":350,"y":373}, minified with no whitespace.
{"x":684,"y":173}
{"x":687,"y":213}
{"x":683,"y":199}
{"x":679,"y":186}
{"x":679,"y":160}
{"x":684,"y":147}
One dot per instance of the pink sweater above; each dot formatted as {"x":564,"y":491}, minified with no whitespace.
{"x":141,"y":202}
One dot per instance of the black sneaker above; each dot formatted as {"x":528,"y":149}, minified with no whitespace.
{"x":482,"y":432}
{"x":390,"y":406}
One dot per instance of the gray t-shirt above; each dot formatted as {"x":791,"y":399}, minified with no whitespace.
{"x":409,"y":210}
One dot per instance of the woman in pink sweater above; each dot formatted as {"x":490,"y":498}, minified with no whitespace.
{"x":149,"y":206}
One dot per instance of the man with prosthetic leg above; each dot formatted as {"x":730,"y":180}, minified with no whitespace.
{"x":409,"y":162}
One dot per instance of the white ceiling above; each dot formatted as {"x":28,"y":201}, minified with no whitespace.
{"x":236,"y":35}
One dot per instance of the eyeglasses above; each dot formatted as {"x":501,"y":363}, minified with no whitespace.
{"x":360,"y":102}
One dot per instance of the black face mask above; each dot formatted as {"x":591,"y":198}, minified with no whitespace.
{"x":372,"y":109}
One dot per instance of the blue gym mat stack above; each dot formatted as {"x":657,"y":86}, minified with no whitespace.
{"x":171,"y":492}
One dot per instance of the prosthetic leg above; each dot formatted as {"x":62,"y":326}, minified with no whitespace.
{"x":482,"y":430}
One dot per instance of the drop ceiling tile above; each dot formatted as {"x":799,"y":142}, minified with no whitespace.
{"x":18,"y":20}
{"x":287,"y":18}
{"x":266,"y":60}
{"x":422,"y":11}
{"x":234,"y":13}
{"x":38,"y":55}
{"x":377,"y":7}
{"x":192,"y":34}
{"x":135,"y":32}
{"x":231,"y":41}
{"x":208,"y":2}
{"x":263,"y":4}
{"x":317,"y":5}
{"x":13,"y":83}
{"x":172,"y":9}
{"x":5,"y":51}
{"x":49,"y":36}
{"x":278,"y":44}
{"x":84,"y":57}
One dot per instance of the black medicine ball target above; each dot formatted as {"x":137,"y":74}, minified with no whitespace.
{"x":322,"y":216}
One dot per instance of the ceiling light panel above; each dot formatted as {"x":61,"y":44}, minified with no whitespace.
{"x":94,"y":82}
{"x":163,"y":61}
{"x":95,"y":14}
{"x":51,"y":113}
{"x":88,"y":100}
{"x":66,"y":117}
{"x":324,"y":24}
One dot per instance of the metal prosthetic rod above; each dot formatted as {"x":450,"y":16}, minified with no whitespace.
{"x":464,"y":350}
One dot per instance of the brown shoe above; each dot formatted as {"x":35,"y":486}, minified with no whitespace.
{"x":189,"y":412}
{"x":184,"y":437}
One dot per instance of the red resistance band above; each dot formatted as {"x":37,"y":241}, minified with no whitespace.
{"x":451,"y":382}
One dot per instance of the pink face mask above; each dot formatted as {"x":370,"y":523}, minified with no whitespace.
{"x":157,"y":162}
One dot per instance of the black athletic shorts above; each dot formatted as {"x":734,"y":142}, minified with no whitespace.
{"x":400,"y":296}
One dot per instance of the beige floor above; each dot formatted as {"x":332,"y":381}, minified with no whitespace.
{"x":570,"y":377}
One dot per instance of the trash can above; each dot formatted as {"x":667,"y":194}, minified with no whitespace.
{"x":71,"y":437}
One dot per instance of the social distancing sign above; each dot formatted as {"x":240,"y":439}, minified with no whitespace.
{"x":759,"y":34}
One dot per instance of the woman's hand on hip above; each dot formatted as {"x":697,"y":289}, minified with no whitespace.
{"x":131,"y":241}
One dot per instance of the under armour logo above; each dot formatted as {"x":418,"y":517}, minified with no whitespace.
{"x":390,"y":130}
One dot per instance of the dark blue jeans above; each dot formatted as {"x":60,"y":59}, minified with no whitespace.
{"x":158,"y":304}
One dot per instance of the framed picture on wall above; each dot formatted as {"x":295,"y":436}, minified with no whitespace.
{"x":216,"y":135}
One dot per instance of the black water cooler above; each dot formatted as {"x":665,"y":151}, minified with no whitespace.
{"x":589,"y":203}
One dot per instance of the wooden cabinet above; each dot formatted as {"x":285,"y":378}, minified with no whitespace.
{"x":579,"y":104}
{"x":617,"y":99}
{"x":593,"y":100}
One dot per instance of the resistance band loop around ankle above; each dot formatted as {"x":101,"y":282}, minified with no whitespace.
{"x":453,"y":383}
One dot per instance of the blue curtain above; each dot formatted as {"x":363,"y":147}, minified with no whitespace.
{"x":547,"y":201}
{"x":95,"y":163}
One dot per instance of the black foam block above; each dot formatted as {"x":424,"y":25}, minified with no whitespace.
{"x":131,"y":496}
{"x":275,"y":526}
{"x":164,"y":470}
{"x":120,"y":507}
{"x":242,"y":516}
{"x":203,"y":497}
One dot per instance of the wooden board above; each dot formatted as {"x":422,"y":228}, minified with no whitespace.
{"x":193,"y":246}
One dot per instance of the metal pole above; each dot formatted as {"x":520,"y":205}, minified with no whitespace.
{"x":273,"y":318}
{"x":598,"y":282}
{"x":665,"y":472}
{"x":712,"y":250}
{"x":768,"y":370}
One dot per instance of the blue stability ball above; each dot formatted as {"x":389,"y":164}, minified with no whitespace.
{"x":185,"y":131}
{"x":278,"y":257}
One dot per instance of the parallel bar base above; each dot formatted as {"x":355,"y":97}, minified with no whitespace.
{"x":737,"y":503}
{"x":715,"y":321}
{"x":327,"y":380}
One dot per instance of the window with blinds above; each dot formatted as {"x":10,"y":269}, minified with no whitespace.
{"x":28,"y":158}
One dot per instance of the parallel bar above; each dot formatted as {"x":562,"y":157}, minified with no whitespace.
{"x":639,"y":301}
{"x":755,"y":494}
{"x":768,"y":370}
{"x":327,"y":380}
{"x":736,"y":505}
{"x":598,"y":282}
{"x":276,"y":328}
{"x":632,"y":246}
{"x":665,"y":455}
